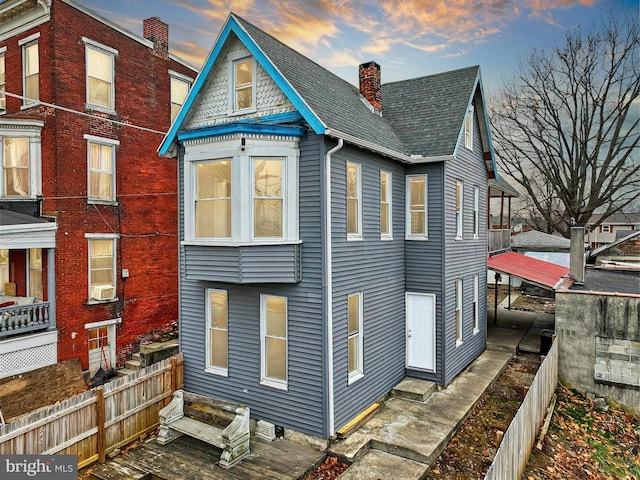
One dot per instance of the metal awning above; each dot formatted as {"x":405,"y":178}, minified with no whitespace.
{"x":538,"y":272}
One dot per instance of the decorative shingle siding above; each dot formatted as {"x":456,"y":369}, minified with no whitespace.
{"x":464,"y":258}
{"x":212,"y":106}
{"x":302,"y":406}
{"x":376,"y":268}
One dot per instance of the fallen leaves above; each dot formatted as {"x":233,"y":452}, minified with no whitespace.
{"x":330,"y":469}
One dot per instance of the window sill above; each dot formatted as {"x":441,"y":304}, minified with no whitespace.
{"x":386,"y":238}
{"x":235,"y":113}
{"x":217,"y":243}
{"x":99,"y":108}
{"x":222,"y":372}
{"x":419,"y":239}
{"x":458,"y":239}
{"x":354,"y":377}
{"x":459,"y":343}
{"x":267,"y":382}
{"x":30,"y":105}
{"x":354,"y":238}
{"x":97,"y":201}
{"x":93,"y":301}
{"x":476,"y":237}
{"x":476,"y":330}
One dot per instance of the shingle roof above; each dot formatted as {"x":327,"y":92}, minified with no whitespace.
{"x":9,"y":217}
{"x":534,"y":239}
{"x":434,"y":105}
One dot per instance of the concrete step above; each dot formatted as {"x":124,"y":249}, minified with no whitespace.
{"x":136,"y":356}
{"x":123,"y":372}
{"x":132,"y":364}
{"x":414,"y":389}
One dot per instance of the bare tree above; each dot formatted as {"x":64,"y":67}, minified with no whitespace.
{"x":566,"y":128}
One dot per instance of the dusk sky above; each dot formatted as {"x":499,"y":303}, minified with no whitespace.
{"x":407,"y":38}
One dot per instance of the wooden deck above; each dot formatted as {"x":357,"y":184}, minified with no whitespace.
{"x":189,"y":459}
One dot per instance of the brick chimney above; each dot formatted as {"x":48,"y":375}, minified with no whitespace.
{"x":157,"y":31}
{"x":370,"y":86}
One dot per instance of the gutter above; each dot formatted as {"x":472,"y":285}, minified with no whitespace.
{"x":329,"y":283}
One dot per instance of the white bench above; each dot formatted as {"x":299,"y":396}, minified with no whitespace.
{"x":233,"y":438}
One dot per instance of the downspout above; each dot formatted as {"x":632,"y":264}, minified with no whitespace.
{"x":329,"y":281}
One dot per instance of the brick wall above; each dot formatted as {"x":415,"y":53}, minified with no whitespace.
{"x":145,"y":216}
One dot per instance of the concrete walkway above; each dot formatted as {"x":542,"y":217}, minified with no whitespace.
{"x":407,"y":436}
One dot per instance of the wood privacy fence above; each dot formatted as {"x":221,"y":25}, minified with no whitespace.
{"x":95,"y":422}
{"x":513,"y":453}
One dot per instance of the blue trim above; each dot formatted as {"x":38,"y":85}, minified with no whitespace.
{"x":248,"y":128}
{"x":232,"y":25}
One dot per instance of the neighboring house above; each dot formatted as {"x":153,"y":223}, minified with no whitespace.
{"x":625,"y":250}
{"x":605,"y":232}
{"x":332,"y":241}
{"x":88,"y":212}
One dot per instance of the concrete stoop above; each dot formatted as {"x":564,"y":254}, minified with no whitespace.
{"x":130,"y":366}
{"x":414,"y":389}
{"x":376,"y":465}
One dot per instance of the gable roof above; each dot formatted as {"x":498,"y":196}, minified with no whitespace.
{"x":334,"y":107}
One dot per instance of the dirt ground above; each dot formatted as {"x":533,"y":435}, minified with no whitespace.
{"x":472,"y":449}
{"x":45,"y":386}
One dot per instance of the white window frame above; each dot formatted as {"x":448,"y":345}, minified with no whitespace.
{"x":458,"y":311}
{"x":26,"y":43}
{"x":233,"y":58}
{"x":264,"y":380}
{"x":476,"y":311}
{"x":476,"y":211}
{"x":3,"y":84}
{"x":283,"y":196}
{"x":102,"y":142}
{"x":468,"y":129}
{"x":111,"y":52}
{"x":358,"y":373}
{"x":408,"y":234}
{"x":459,"y":208}
{"x":354,"y":235}
{"x":607,"y":227}
{"x":209,"y":368}
{"x":102,"y":236}
{"x":31,"y":269}
{"x":31,"y":129}
{"x":242,"y":183}
{"x":389,"y":205}
{"x":177,"y":77}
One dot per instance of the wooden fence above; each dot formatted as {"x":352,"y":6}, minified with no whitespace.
{"x":95,"y":422}
{"x":513,"y":453}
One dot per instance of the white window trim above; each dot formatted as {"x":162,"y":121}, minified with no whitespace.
{"x":284,"y":197}
{"x":103,"y":323}
{"x":458,"y":307}
{"x":113,"y":144}
{"x":264,"y":380}
{"x":3,"y":51}
{"x":408,"y":234}
{"x":180,"y":78}
{"x":212,"y":368}
{"x":355,"y":236}
{"x":476,"y":212}
{"x":476,"y":311}
{"x":460,"y":218}
{"x":388,"y":236}
{"x":241,"y":185}
{"x":233,"y":58}
{"x":35,"y":161}
{"x":358,"y":373}
{"x":468,"y":129}
{"x":102,"y":236}
{"x":24,"y":43}
{"x":107,"y":51}
{"x":29,"y":39}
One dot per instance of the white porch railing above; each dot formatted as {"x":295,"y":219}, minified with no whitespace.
{"x":20,"y":319}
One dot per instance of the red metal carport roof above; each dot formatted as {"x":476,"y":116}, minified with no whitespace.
{"x":539,"y":272}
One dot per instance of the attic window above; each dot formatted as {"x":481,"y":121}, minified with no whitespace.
{"x":468,"y":129}
{"x":242,"y":85}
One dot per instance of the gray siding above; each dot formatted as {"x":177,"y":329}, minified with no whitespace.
{"x":424,"y":259}
{"x":302,"y":406}
{"x":464,"y":258}
{"x":376,"y":268}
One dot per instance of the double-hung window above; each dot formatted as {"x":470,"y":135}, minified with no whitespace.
{"x":354,"y":201}
{"x":458,"y":311}
{"x":459,"y":203}
{"x":35,"y":272}
{"x":3,"y":101}
{"x":385,"y":205}
{"x":242,"y":87}
{"x":355,"y":357}
{"x":102,"y":266}
{"x":100,"y":75}
{"x":16,"y":180}
{"x":179,"y":89}
{"x":101,"y":166}
{"x":476,"y":312}
{"x":468,"y":129}
{"x":416,"y":222}
{"x":217,"y":360}
{"x":30,"y":69}
{"x":273,"y":330}
{"x":476,"y":211}
{"x":247,"y":195}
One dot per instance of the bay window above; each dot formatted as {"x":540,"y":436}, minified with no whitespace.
{"x":213,"y":199}
{"x":267,"y":200}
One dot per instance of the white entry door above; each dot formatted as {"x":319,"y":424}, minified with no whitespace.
{"x":421,"y":331}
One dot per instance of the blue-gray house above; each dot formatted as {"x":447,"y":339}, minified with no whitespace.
{"x":333,"y":240}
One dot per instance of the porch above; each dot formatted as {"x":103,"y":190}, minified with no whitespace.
{"x":28,"y":335}
{"x":499,"y":215}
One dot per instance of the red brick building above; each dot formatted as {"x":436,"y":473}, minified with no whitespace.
{"x":88,"y":210}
